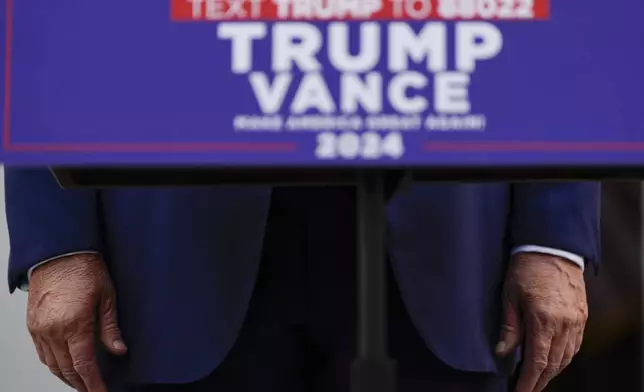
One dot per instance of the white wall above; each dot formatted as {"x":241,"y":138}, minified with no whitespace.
{"x":20,"y":369}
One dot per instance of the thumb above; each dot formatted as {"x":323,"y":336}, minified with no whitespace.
{"x":511,"y":334}
{"x":109,"y":328}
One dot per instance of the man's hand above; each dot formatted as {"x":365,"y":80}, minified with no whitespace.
{"x":69,"y":299}
{"x":545,"y":311}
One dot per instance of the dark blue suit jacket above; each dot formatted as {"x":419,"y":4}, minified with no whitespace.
{"x":193,"y":254}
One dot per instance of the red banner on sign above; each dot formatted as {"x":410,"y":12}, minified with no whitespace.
{"x":321,"y":10}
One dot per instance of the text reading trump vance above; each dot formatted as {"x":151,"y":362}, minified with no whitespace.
{"x":360,"y":73}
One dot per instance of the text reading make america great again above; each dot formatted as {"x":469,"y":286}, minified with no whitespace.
{"x":359,"y":72}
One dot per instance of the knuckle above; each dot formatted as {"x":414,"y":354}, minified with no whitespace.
{"x":35,"y":328}
{"x":47,"y":326}
{"x":83,"y":367}
{"x":69,"y":374}
{"x":553,"y":320}
{"x":541,"y":345}
{"x":551,"y":369}
{"x":59,"y":317}
{"x":508,"y":328}
{"x":109,"y":303}
{"x":32,"y":325}
{"x":111,"y":327}
{"x":56,"y":371}
{"x":540,"y":365}
{"x":569,"y":322}
{"x":547,"y":317}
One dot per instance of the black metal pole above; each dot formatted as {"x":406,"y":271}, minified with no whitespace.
{"x":372,"y":370}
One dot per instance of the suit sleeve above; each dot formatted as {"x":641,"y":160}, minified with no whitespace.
{"x":558,"y":215}
{"x":46,"y":221}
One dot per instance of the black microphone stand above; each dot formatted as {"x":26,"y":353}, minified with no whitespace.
{"x":372,"y":369}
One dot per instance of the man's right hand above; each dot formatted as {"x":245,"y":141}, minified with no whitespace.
{"x":72,"y":300}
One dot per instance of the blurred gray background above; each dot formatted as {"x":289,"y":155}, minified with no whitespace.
{"x":20,"y":370}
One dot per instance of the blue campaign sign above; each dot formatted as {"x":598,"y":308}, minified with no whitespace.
{"x":323,"y":82}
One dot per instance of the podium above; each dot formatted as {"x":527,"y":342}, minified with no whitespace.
{"x":371,"y":93}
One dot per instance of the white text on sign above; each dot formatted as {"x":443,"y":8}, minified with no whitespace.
{"x":310,"y":10}
{"x":298,"y":45}
{"x":360,"y":86}
{"x":352,"y":145}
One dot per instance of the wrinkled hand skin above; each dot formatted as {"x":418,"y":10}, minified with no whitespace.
{"x":72,"y":300}
{"x":545,"y":311}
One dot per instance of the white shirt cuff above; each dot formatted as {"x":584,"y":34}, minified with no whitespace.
{"x":25,"y":285}
{"x":551,"y":251}
{"x":519,"y":249}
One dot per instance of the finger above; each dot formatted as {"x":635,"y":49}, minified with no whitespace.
{"x":39,"y":350}
{"x":511,"y":334}
{"x":51,"y":362}
{"x":579,"y":338}
{"x":81,"y":350}
{"x":555,"y":357}
{"x":109,"y":327}
{"x":569,"y":354}
{"x":61,"y":351}
{"x":537,"y":347}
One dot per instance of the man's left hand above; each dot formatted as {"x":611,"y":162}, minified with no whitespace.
{"x":545,"y":311}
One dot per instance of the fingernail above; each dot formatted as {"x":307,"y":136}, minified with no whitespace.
{"x":500,"y":347}
{"x":119,"y":345}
